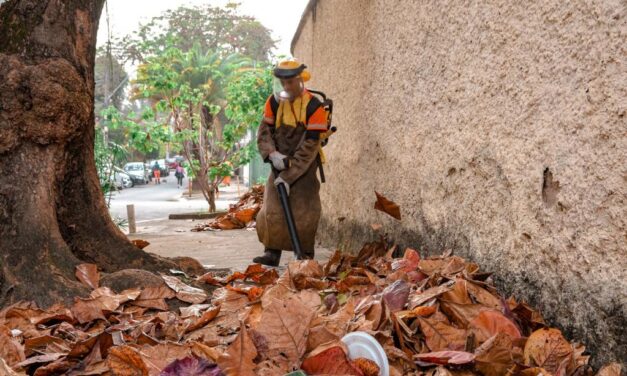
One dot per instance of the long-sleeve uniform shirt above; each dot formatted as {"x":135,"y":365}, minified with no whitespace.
{"x":290,"y":132}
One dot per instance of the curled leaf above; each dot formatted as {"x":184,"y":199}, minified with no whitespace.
{"x":387,"y":206}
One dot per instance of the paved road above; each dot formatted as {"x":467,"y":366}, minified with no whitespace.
{"x":157,"y":201}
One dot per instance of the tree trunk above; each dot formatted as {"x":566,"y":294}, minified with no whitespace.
{"x":52,"y":212}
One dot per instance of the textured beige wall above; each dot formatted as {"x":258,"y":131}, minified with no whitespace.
{"x":455,"y":110}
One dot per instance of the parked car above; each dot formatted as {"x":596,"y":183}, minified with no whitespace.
{"x":163,"y":167}
{"x":122,"y":179}
{"x":138,"y":172}
{"x":174,"y":161}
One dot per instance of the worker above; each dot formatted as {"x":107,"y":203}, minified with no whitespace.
{"x":289,"y":139}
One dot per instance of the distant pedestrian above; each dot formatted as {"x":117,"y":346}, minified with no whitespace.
{"x":156,"y":171}
{"x":180,"y":174}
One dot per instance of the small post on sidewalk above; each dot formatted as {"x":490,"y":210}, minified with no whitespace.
{"x":130,"y":213}
{"x":237,"y":177}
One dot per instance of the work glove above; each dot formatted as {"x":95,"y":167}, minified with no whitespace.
{"x":278,"y":160}
{"x":280,"y":180}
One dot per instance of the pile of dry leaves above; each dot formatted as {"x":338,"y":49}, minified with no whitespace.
{"x":433,"y":316}
{"x":240,"y":215}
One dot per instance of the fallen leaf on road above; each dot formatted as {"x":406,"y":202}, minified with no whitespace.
{"x":285,"y":327}
{"x":126,"y":361}
{"x":239,"y":356}
{"x":204,"y":319}
{"x":157,"y":357}
{"x":185,"y":292}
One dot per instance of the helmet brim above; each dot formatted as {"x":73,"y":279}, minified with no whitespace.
{"x":288,"y":73}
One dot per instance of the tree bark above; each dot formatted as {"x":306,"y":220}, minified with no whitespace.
{"x":52,"y":212}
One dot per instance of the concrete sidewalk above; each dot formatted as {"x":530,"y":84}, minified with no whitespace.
{"x":233,"y":249}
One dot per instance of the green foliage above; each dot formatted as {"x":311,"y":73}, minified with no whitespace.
{"x":198,"y":89}
{"x":107,"y":155}
{"x":143,"y":133}
{"x":212,"y":28}
{"x":246,"y":97}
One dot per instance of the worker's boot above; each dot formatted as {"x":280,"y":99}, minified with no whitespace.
{"x":308,"y":255}
{"x":271,"y":257}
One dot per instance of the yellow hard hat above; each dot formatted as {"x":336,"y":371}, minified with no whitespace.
{"x":291,"y":68}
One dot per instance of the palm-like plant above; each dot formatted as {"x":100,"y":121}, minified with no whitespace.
{"x":189,"y":89}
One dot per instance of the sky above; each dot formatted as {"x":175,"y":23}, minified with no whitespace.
{"x":280,"y":16}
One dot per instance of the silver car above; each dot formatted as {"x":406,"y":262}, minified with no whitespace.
{"x":138,"y":172}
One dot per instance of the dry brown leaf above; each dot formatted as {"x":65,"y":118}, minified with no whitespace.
{"x":90,"y":309}
{"x":431,"y":266}
{"x":529,"y":316}
{"x":193,"y":310}
{"x":268,"y":277}
{"x":461,"y":314}
{"x":421,"y":298}
{"x":454,"y":265}
{"x":126,"y":361}
{"x":494,"y":356}
{"x":331,"y":361}
{"x":235,"y":276}
{"x":5,"y":370}
{"x":229,"y":301}
{"x":238,"y":359}
{"x":161,"y":291}
{"x":156,"y":358}
{"x":459,"y":293}
{"x":139,"y":243}
{"x":58,"y":367}
{"x":439,"y":335}
{"x":547,"y":348}
{"x":154,"y":297}
{"x":612,"y":369}
{"x":422,"y":311}
{"x":203,"y":320}
{"x":387,"y":206}
{"x":408,"y":263}
{"x":88,"y":274}
{"x":42,"y":342}
{"x":445,"y":357}
{"x":285,"y":328}
{"x":209,"y":279}
{"x":204,"y":351}
{"x":10,"y":349}
{"x":185,"y":292}
{"x":483,"y":296}
{"x":159,"y":304}
{"x":489,"y":323}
